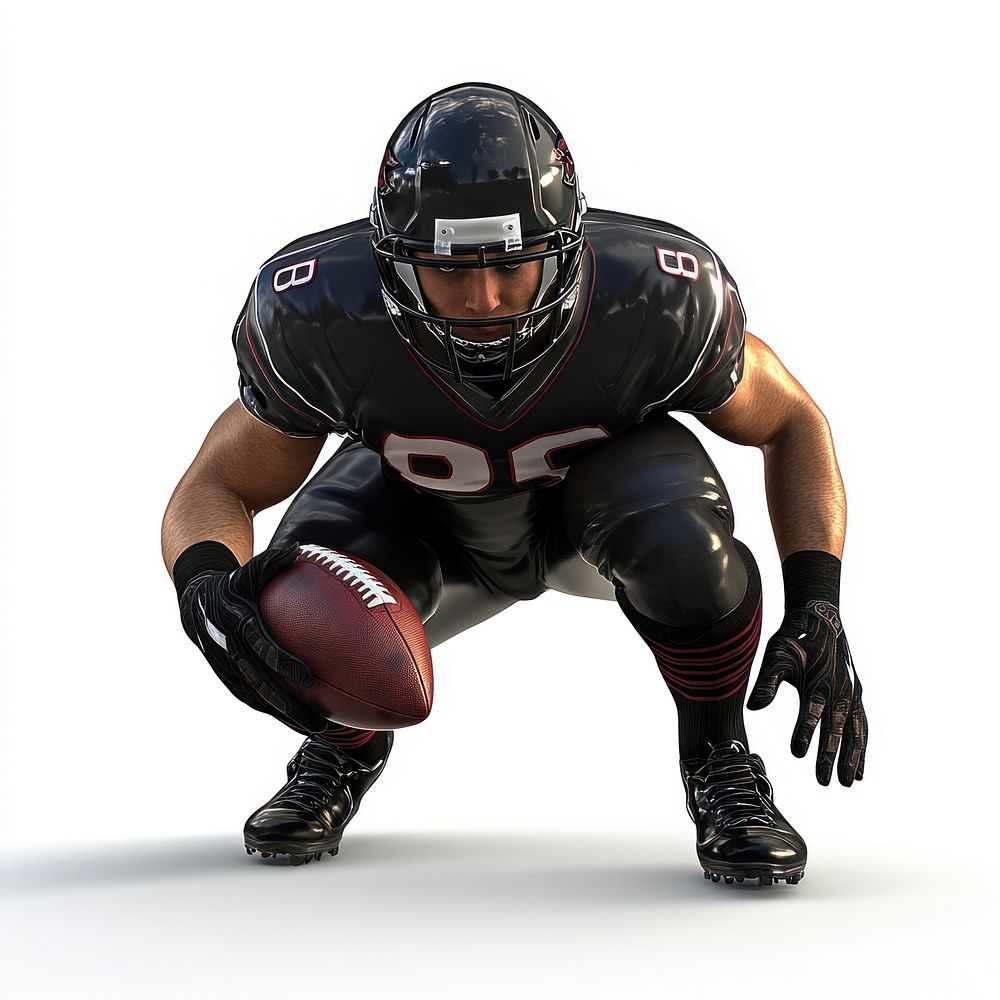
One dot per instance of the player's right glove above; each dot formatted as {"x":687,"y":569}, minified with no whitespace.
{"x":810,"y":651}
{"x":219,"y":612}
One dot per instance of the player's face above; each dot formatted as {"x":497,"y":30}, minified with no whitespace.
{"x":481,"y":292}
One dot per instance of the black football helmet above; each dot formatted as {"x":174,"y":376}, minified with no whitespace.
{"x":478,"y":169}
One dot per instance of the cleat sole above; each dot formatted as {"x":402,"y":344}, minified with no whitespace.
{"x":297,"y":857}
{"x":729,"y":878}
{"x":304,"y":853}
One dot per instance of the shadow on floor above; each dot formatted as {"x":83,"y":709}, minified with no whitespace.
{"x":450,"y":865}
{"x":447,"y":868}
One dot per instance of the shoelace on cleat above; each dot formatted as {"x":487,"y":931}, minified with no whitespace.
{"x":325,"y":762}
{"x":736,"y":788}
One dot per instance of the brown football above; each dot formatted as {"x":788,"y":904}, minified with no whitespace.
{"x":359,"y":635}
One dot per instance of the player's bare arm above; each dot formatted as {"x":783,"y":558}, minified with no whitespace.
{"x":805,"y":494}
{"x":243,"y":467}
{"x":771,"y":410}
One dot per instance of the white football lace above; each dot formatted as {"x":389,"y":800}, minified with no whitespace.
{"x":372,"y":591}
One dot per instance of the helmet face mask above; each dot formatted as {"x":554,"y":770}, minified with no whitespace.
{"x":495,"y":152}
{"x":524,"y":335}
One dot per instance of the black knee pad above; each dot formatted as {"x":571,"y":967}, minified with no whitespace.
{"x":704,"y":633}
{"x":678,"y":564}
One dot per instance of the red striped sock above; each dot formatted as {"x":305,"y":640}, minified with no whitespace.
{"x":707,"y":667}
{"x":713,"y":672}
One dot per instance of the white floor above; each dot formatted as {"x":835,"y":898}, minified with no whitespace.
{"x":477,"y":915}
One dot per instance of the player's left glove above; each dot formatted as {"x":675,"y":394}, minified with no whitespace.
{"x":811,"y":652}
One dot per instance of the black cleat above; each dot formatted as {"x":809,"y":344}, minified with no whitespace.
{"x":741,"y":834}
{"x":306,"y":818}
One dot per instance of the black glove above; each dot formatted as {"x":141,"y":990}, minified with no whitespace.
{"x":220,"y":615}
{"x":810,"y":651}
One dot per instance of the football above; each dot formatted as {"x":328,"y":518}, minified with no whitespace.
{"x":359,"y":635}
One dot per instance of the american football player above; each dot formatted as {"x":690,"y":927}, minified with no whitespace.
{"x":503,"y":363}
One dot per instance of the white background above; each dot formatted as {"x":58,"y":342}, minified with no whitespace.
{"x":531,"y":836}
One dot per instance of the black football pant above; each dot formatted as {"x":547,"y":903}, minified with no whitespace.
{"x":643,"y":517}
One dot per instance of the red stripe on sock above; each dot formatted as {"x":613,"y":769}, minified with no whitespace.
{"x":752,"y":626}
{"x":686,"y":687}
{"x":679,"y":662}
{"x":697,"y":677}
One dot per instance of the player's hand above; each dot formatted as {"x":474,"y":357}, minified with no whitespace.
{"x":810,"y":651}
{"x":220,"y":615}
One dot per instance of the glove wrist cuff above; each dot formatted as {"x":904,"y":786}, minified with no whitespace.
{"x":200,"y":558}
{"x":811,"y":575}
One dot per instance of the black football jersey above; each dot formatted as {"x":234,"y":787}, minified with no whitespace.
{"x":657,"y":325}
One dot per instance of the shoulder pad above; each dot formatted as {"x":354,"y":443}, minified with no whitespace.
{"x":296,"y":344}
{"x":681,"y":308}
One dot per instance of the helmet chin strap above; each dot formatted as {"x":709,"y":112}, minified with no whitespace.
{"x":495,"y":350}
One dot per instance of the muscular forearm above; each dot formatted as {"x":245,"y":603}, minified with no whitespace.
{"x":805,"y":492}
{"x":201,"y":509}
